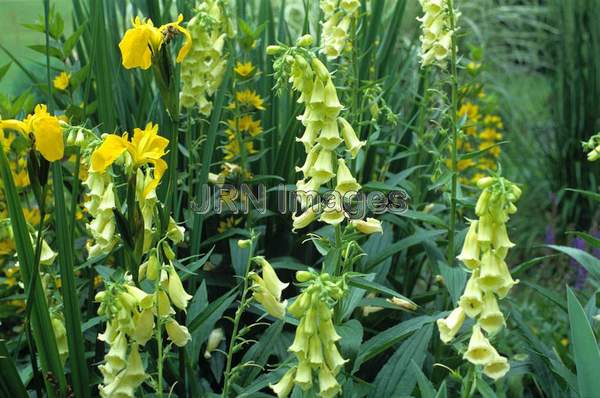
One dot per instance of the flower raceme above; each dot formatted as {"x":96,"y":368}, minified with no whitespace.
{"x":143,"y":41}
{"x":485,"y":248}
{"x":43,"y":129}
{"x":436,"y":36}
{"x":315,"y":342}
{"x":337,"y":20}
{"x":145,"y":147}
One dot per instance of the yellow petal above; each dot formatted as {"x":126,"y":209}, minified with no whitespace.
{"x":48,"y":137}
{"x":138,"y":45}
{"x":105,"y":155}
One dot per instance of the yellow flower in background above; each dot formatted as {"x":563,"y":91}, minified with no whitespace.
{"x":493,"y":150}
{"x":141,"y":42}
{"x":248,"y":99}
{"x":470,"y":110}
{"x":489,"y":134}
{"x":145,"y":147}
{"x":62,"y":81}
{"x":46,"y":129}
{"x":228,"y":223}
{"x":247,"y":124}
{"x":244,"y":69}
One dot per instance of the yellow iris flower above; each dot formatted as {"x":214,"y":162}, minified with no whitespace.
{"x":45,"y":129}
{"x":144,"y":40}
{"x":145,"y":147}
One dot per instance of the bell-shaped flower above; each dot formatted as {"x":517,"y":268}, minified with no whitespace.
{"x":309,"y":137}
{"x":345,"y":181}
{"x":214,"y":340}
{"x":330,"y":135}
{"x":318,"y":92}
{"x":177,"y":293}
{"x":327,"y":332}
{"x":117,"y":355}
{"x":492,"y":272}
{"x":175,"y":232}
{"x":471,"y":300}
{"x":331,"y":98}
{"x":303,"y":376}
{"x":315,"y":351}
{"x":448,"y":327}
{"x":300,"y":305}
{"x":480,"y":351}
{"x":491,"y":318}
{"x":507,"y":282}
{"x":144,"y":299}
{"x":368,"y":226}
{"x":353,"y":144}
{"x":283,"y":388}
{"x":333,"y":358}
{"x":178,"y":334}
{"x":322,"y":169}
{"x":164,"y":304}
{"x":470,"y":250}
{"x":272,"y":282}
{"x":328,"y":385}
{"x":304,"y":219}
{"x":500,"y":237}
{"x":333,"y":210}
{"x":320,"y":69}
{"x":311,"y":158}
{"x":144,"y":326}
{"x":497,"y":367}
{"x":485,"y":229}
{"x":263,"y":295}
{"x":481,"y":207}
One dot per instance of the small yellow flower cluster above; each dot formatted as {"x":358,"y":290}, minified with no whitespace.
{"x":203,"y":69}
{"x":314,"y":344}
{"x":61,"y":82}
{"x":228,"y":223}
{"x":483,"y":130}
{"x":436,"y":37}
{"x":267,"y":289}
{"x":484,"y":251}
{"x":338,"y":15}
{"x":142,"y":42}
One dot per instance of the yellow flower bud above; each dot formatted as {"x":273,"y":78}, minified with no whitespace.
{"x":214,"y":340}
{"x":178,"y":334}
{"x":304,"y":41}
{"x":143,"y":299}
{"x":175,"y":232}
{"x":304,"y":276}
{"x":274,"y":50}
{"x":345,"y":181}
{"x":470,"y":250}
{"x":471,"y":300}
{"x":449,"y":326}
{"x":320,"y":69}
{"x":300,"y":305}
{"x":244,"y":243}
{"x":153,"y":266}
{"x":272,"y":282}
{"x":482,"y":203}
{"x":485,"y":182}
{"x":491,"y":318}
{"x":304,"y":220}
{"x":480,"y":351}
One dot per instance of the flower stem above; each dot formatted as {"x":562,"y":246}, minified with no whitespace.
{"x":236,"y":324}
{"x":454,"y":134}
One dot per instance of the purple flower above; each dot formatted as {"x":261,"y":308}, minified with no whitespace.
{"x":580,"y":271}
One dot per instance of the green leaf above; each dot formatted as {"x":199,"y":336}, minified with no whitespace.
{"x":71,"y":311}
{"x":549,"y":294}
{"x":374,"y":286}
{"x":585,"y":348}
{"x":524,"y":266}
{"x":72,"y":40}
{"x":591,"y":240}
{"x":587,"y":261}
{"x":389,"y":337}
{"x":260,"y":352}
{"x":589,"y":194}
{"x":10,"y":382}
{"x":397,"y":377}
{"x":415,"y":239}
{"x":4,"y":69}
{"x":53,"y":51}
{"x":455,"y":279}
{"x":42,"y":330}
{"x":485,"y":390}
{"x":425,"y":386}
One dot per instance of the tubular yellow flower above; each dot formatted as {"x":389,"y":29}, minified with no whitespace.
{"x":285,"y":385}
{"x":497,"y":367}
{"x":472,"y":301}
{"x":491,"y":318}
{"x":214,"y":339}
{"x":449,"y":326}
{"x":178,"y":334}
{"x":177,"y":293}
{"x":480,"y":351}
{"x":368,"y":227}
{"x":61,"y":81}
{"x":470,"y":250}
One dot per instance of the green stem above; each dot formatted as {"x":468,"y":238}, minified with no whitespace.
{"x":244,"y":301}
{"x":454,"y":132}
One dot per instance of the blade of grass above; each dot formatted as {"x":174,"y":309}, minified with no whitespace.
{"x":10,"y":382}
